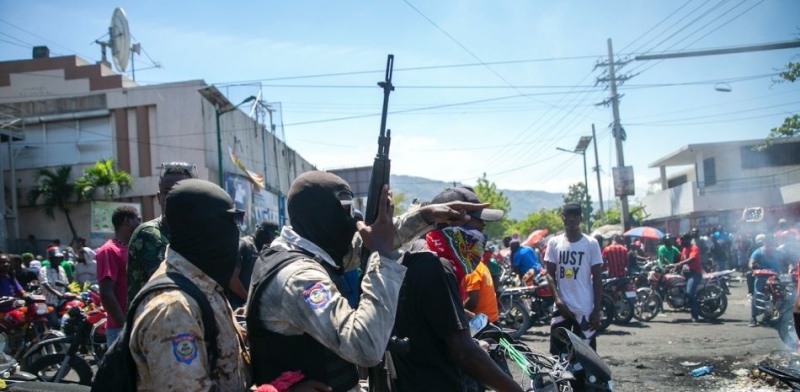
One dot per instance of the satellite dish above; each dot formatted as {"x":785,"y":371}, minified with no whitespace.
{"x":120,"y":39}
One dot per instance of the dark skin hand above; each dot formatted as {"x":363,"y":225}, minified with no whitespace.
{"x":379,"y":236}
{"x":476,"y":363}
{"x":453,"y":213}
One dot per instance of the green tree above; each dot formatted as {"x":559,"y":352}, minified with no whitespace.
{"x":399,"y":201}
{"x":55,"y":188}
{"x":543,"y":219}
{"x":103,"y":175}
{"x":791,"y":124}
{"x":487,"y":192}
{"x":577,"y":194}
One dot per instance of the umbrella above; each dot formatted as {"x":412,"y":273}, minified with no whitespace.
{"x":607,"y":231}
{"x":644,"y":232}
{"x":535,"y":237}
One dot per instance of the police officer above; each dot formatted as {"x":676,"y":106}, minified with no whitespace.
{"x":167,"y":343}
{"x":297,"y":318}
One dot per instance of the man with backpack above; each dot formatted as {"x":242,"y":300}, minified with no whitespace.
{"x":169,"y":338}
{"x":297,"y":317}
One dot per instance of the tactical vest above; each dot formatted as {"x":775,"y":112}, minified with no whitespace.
{"x":273,"y":353}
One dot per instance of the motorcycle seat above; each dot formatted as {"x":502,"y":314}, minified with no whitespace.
{"x":764,"y":272}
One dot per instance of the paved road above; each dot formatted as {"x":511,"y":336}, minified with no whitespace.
{"x":648,"y":356}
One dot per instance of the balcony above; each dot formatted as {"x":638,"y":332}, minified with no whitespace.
{"x":732,"y":194}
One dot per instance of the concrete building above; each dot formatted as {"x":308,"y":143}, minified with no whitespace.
{"x":716,"y":182}
{"x":66,"y":111}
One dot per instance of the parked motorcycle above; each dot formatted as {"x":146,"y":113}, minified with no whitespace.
{"x":10,"y":372}
{"x":670,"y":287}
{"x":22,"y":325}
{"x":59,"y":368}
{"x":623,"y":295}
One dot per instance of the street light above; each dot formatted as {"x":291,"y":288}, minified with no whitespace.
{"x":580,"y":149}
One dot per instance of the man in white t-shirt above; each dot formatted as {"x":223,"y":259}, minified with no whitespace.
{"x":574,"y":265}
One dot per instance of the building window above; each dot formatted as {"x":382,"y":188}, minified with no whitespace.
{"x":709,"y":172}
{"x":776,"y":155}
{"x":673,"y":182}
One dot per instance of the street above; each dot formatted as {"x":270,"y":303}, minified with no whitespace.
{"x":648,"y":356}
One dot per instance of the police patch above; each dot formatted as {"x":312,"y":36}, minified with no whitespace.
{"x":317,"y":296}
{"x":184,"y":347}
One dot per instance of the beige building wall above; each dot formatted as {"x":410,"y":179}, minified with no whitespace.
{"x":143,"y":126}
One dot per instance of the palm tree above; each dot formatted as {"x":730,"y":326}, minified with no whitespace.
{"x":55,"y":189}
{"x":103,"y":175}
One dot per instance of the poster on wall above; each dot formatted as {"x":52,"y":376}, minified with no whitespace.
{"x":265,"y":207}
{"x":102,"y":229}
{"x":241,"y":191}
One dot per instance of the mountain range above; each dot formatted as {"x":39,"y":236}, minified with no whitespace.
{"x":522,"y":202}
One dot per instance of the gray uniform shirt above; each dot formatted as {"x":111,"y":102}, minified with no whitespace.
{"x":303,"y":298}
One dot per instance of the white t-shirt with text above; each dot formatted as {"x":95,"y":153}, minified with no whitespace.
{"x":574,"y":261}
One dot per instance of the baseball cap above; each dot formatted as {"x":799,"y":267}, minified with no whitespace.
{"x":465,"y":194}
{"x":571,"y":209}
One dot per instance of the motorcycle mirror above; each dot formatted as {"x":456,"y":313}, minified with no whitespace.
{"x":478,"y":323}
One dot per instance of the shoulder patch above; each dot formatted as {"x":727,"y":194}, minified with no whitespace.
{"x":184,"y":347}
{"x":317,"y":296}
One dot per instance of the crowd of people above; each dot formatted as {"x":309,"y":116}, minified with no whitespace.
{"x":310,"y":324}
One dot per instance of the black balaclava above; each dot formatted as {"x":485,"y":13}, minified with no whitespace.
{"x":265,"y":233}
{"x":316,"y":212}
{"x":200,"y":216}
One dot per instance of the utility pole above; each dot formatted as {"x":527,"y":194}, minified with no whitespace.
{"x":616,"y":127}
{"x":597,"y":171}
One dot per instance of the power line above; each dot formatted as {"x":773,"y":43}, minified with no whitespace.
{"x":42,"y":38}
{"x":655,"y":26}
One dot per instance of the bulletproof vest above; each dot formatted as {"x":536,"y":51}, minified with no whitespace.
{"x":273,"y":353}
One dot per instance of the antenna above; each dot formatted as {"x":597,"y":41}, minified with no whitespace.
{"x":119,"y":40}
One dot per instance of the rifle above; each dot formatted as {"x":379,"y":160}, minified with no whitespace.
{"x":381,"y":165}
{"x":378,"y":377}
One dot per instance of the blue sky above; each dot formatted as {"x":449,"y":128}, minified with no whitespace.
{"x":482,"y":86}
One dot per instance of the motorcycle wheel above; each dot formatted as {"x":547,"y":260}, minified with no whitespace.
{"x":648,"y":304}
{"x":515,"y":317}
{"x":46,"y":367}
{"x":623,"y":310}
{"x":785,"y":325}
{"x":607,"y":312}
{"x":708,"y":308}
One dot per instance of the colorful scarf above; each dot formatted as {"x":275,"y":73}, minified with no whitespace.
{"x":462,"y":246}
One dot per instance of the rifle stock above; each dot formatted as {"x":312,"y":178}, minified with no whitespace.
{"x":378,"y":377}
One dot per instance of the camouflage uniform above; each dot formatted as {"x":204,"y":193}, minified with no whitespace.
{"x":146,"y":251}
{"x":167,"y":338}
{"x":303,"y":298}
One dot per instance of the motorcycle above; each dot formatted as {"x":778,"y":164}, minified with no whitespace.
{"x":10,"y":372}
{"x":58,"y":368}
{"x":712,"y":294}
{"x":774,"y":304}
{"x":622,"y":293}
{"x":22,"y":325}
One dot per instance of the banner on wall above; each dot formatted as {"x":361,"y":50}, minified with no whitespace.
{"x":254,"y":177}
{"x":265,"y":207}
{"x":102,"y":229}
